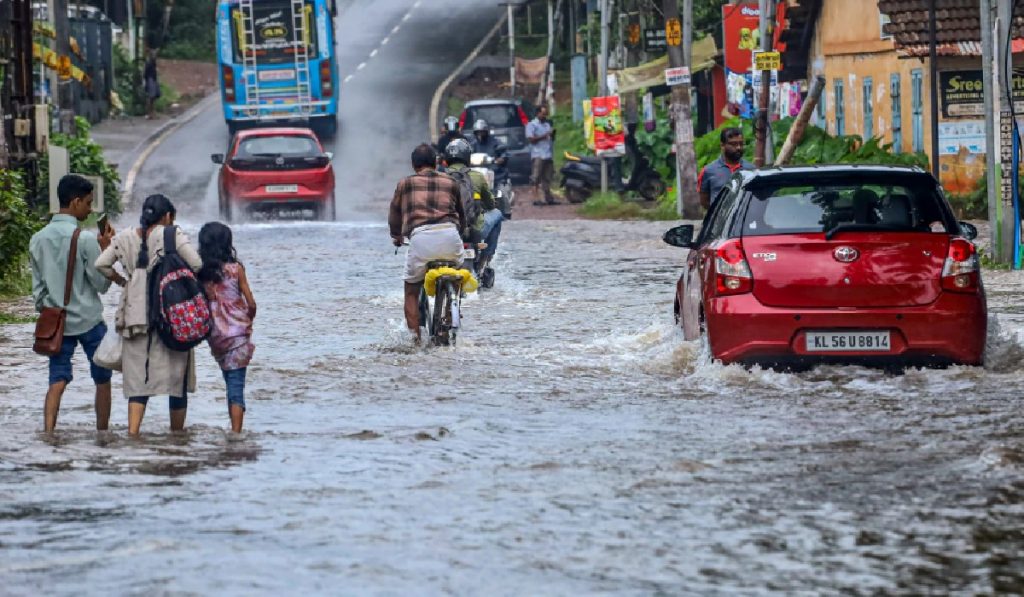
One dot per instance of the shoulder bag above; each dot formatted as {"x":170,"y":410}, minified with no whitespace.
{"x":50,"y":327}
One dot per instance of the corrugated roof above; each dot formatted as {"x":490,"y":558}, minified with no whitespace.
{"x":957,"y":27}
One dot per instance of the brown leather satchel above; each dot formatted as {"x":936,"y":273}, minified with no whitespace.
{"x":50,"y":327}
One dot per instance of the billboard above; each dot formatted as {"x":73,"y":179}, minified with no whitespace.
{"x":609,"y":136}
{"x":742,"y":33}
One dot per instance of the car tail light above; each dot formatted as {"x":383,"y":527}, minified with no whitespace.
{"x":960,"y":273}
{"x":229,"y":82}
{"x":326,"y":86}
{"x":462,"y":120}
{"x":523,"y":116}
{"x":732,"y":274}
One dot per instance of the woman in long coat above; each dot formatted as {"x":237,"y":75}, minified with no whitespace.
{"x":149,"y":367}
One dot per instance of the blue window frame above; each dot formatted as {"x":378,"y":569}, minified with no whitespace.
{"x":869,"y":108}
{"x":840,"y":108}
{"x":896,"y":96}
{"x":917,"y":108}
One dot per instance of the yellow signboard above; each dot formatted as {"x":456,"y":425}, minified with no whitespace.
{"x":673,"y":32}
{"x":767,"y":61}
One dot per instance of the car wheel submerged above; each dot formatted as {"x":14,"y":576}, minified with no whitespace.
{"x":325,"y":212}
{"x":225,"y":209}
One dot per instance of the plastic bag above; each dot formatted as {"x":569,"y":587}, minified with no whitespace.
{"x":108,"y":353}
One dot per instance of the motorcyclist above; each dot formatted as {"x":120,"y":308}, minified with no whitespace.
{"x":457,"y":156}
{"x":451,"y":132}
{"x":485,"y":142}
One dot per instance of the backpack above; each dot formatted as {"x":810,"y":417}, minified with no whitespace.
{"x":470,"y":206}
{"x":178,"y":310}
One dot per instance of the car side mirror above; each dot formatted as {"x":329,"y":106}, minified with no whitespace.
{"x":680,"y":236}
{"x":217,"y":158}
{"x":329,"y":154}
{"x":969,"y":231}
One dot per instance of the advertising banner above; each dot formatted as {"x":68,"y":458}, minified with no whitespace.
{"x":962,"y":92}
{"x":609,"y":136}
{"x":742,"y":33}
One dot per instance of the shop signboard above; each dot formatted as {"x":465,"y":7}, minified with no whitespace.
{"x":962,"y":92}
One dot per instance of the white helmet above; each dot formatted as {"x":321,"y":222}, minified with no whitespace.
{"x":481,"y":125}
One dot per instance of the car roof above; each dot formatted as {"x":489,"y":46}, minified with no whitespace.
{"x":828,"y":170}
{"x":280,"y":130}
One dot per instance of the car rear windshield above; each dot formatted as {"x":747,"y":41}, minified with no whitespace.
{"x":498,"y":116}
{"x":869,"y":204}
{"x":288,"y":146}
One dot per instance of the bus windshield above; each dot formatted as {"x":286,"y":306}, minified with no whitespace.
{"x":273,"y":31}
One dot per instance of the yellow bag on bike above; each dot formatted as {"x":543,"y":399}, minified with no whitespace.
{"x":469,"y":283}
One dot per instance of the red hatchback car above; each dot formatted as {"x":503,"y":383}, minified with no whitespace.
{"x":275,"y":168}
{"x":796,"y":266}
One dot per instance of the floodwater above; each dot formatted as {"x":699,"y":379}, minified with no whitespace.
{"x":572,"y":443}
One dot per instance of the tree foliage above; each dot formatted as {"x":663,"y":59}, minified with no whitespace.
{"x":86,"y":157}
{"x":18,"y":222}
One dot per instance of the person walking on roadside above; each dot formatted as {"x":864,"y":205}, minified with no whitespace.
{"x":233,"y":308}
{"x":150,"y":83}
{"x":541,"y":135}
{"x":49,"y":255}
{"x":149,"y":367}
{"x":716,"y":175}
{"x":426,"y":208}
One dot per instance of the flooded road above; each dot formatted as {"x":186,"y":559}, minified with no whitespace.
{"x":572,"y":443}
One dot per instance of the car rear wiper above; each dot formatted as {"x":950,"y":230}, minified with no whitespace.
{"x":854,"y":227}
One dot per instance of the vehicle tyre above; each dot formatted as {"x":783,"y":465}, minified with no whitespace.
{"x":442,"y":312}
{"x":651,"y":188}
{"x":325,"y":212}
{"x":575,"y":195}
{"x":226,"y":210}
{"x":424,"y":308}
{"x":326,"y":127}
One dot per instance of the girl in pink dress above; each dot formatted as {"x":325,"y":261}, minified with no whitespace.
{"x":233,"y":309}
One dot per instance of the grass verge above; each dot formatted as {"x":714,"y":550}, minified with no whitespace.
{"x":609,"y":206}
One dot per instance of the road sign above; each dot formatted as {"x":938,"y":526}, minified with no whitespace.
{"x":673,"y":32}
{"x":767,"y":61}
{"x":677,"y":76}
{"x":633,"y":39}
{"x":654,"y":40}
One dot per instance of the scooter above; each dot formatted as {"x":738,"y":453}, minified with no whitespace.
{"x":484,"y":164}
{"x":581,"y":176}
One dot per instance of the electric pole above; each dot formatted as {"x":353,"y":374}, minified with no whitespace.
{"x":63,"y":94}
{"x":762,"y":122}
{"x":991,"y":139}
{"x":687,"y":199}
{"x":602,"y":74}
{"x":1005,"y":68}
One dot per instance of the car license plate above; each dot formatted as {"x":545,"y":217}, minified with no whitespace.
{"x":277,"y":75}
{"x":282,"y":188}
{"x":469,"y":254}
{"x":849,"y":342}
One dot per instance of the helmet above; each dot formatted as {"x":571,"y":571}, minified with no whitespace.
{"x":458,"y":151}
{"x":481,"y":125}
{"x":451,"y":123}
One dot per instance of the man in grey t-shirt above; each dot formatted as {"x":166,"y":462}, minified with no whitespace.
{"x":541,"y":136}
{"x":716,"y":175}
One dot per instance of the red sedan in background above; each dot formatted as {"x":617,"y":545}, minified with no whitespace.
{"x":275,"y":168}
{"x":796,"y":266}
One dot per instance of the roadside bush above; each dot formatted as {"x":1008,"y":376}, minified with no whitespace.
{"x":18,"y":222}
{"x":86,"y":157}
{"x":127,"y":82}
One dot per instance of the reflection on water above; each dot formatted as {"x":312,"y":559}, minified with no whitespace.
{"x":572,"y":443}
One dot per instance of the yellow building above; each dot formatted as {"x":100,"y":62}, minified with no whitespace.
{"x":873,"y":55}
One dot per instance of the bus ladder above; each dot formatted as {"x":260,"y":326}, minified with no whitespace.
{"x":301,"y":53}
{"x":250,"y":73}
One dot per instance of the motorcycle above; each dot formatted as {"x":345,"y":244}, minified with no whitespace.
{"x":581,"y":176}
{"x":484,"y":164}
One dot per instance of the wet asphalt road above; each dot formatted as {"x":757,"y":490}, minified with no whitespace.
{"x":572,"y":444}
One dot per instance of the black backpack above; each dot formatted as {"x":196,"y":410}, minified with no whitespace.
{"x":177,"y":308}
{"x":471,"y":206}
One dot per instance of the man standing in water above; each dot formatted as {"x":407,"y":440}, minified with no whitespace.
{"x":427,"y":208}
{"x":716,"y":175}
{"x":49,"y":252}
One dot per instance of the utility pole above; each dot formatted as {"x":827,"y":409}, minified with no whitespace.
{"x":933,"y":74}
{"x":64,"y":90}
{"x":1005,"y":66}
{"x":512,"y":47}
{"x":602,"y":74}
{"x":687,"y":199}
{"x":630,"y":111}
{"x":762,"y":123}
{"x":991,"y":140}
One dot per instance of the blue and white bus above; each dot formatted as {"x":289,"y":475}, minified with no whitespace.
{"x":278,"y":63}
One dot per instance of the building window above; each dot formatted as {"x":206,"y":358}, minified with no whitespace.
{"x":883,"y":20}
{"x":897,"y":113}
{"x":840,"y":108}
{"x":869,"y":108}
{"x":917,"y":108}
